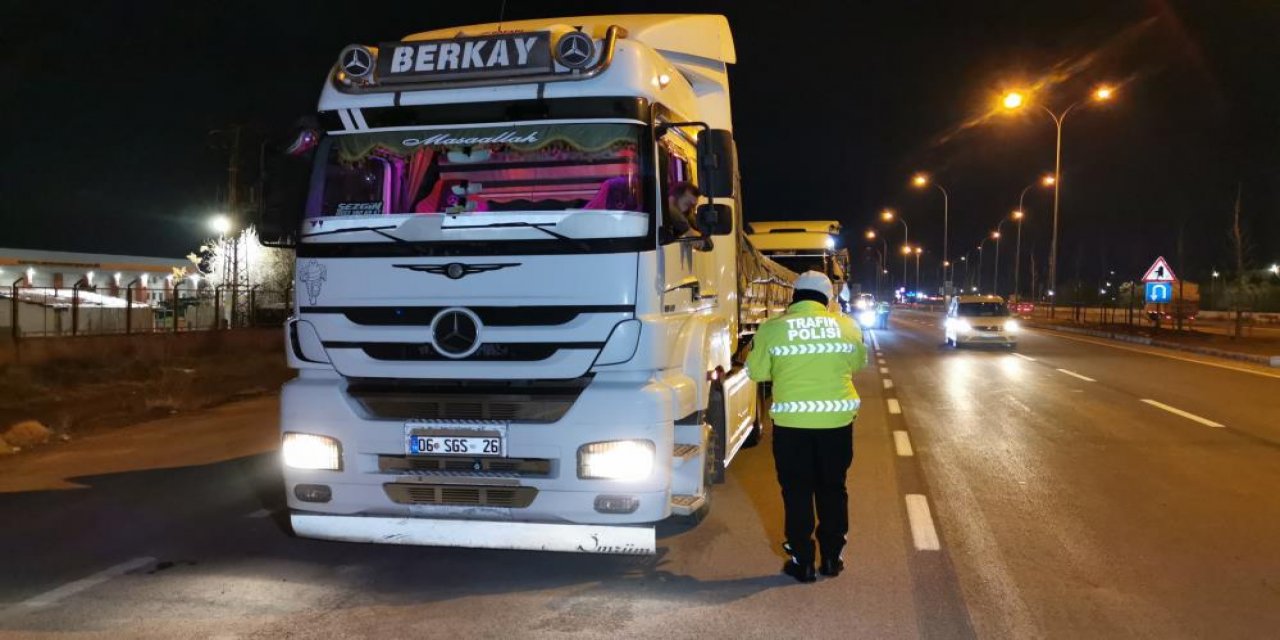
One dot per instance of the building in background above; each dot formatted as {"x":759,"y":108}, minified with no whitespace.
{"x":62,"y":292}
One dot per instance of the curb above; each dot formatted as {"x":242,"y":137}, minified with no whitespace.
{"x":1266,"y":361}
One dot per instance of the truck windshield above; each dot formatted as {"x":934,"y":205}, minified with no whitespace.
{"x":518,"y":167}
{"x":981,"y":309}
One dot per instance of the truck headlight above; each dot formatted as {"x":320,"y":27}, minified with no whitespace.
{"x":867,"y":318}
{"x":1011,"y":326}
{"x":309,"y":451}
{"x":616,"y":460}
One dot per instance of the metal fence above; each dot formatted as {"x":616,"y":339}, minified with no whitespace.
{"x":34,"y":312}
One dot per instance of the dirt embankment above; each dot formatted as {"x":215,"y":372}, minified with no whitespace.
{"x":156,"y":376}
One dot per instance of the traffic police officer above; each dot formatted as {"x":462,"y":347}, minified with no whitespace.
{"x":810,"y":355}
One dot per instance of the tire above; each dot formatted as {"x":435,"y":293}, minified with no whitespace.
{"x":719,"y":429}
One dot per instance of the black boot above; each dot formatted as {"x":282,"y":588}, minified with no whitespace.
{"x":800,"y":569}
{"x":831,"y":567}
{"x":801,"y":572}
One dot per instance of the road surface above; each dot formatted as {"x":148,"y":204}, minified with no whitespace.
{"x":1074,"y":489}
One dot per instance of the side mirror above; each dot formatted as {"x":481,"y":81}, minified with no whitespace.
{"x":717,"y":163}
{"x":715,"y":219}
{"x":286,"y":177}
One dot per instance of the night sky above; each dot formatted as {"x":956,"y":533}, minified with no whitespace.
{"x":108,"y":112}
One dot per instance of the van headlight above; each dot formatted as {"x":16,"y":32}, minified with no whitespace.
{"x":1011,"y":326}
{"x":616,"y":460}
{"x":310,"y":451}
{"x":961,"y":325}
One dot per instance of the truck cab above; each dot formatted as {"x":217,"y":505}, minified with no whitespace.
{"x":805,"y":245}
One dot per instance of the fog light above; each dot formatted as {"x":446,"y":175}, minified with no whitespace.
{"x":313,"y":492}
{"x":867,"y":318}
{"x":308,"y":451}
{"x":616,"y":460}
{"x":617,"y":504}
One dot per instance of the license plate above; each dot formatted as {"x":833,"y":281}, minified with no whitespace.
{"x":470,"y":446}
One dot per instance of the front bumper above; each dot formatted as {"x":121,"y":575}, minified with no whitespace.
{"x":575,"y":538}
{"x":603,"y":412}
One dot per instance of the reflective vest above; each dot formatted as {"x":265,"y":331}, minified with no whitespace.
{"x":810,"y":355}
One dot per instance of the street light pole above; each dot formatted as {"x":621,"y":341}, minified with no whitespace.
{"x":1017,"y":255}
{"x":918,"y":252}
{"x":995,"y":285}
{"x":1016,"y":100}
{"x":888,"y":215}
{"x":921,"y":180}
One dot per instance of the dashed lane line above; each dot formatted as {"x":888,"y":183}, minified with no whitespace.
{"x":902,"y":444}
{"x":894,"y":406}
{"x":71,"y":588}
{"x":884,"y":369}
{"x":888,"y":384}
{"x":1076,"y":375}
{"x":1179,"y":412}
{"x":923,"y":533}
{"x":1029,"y":358}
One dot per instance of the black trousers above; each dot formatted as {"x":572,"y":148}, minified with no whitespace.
{"x":812,"y":465}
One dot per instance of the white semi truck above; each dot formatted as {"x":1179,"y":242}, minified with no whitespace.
{"x":803,"y":245}
{"x":501,"y":338}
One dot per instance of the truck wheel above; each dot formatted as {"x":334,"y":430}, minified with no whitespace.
{"x":718,"y":419}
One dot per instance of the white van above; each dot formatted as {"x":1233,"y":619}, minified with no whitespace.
{"x":980,"y":320}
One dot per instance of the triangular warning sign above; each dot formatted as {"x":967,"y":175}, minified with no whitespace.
{"x":1159,"y":272}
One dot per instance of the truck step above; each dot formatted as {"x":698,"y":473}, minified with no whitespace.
{"x":682,"y":505}
{"x":686,"y":451}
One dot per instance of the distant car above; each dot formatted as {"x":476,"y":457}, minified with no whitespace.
{"x":975,"y":320}
{"x":864,"y":301}
{"x":1022,"y":308}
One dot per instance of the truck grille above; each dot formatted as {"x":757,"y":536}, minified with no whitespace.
{"x":488,"y":352}
{"x":508,"y":467}
{"x":526,"y":401}
{"x":460,"y":495}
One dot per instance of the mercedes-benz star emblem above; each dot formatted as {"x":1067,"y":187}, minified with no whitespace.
{"x":456,"y":333}
{"x":456,"y":270}
{"x":356,"y":61}
{"x":574,"y":49}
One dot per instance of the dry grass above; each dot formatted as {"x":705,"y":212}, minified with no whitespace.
{"x":77,"y":396}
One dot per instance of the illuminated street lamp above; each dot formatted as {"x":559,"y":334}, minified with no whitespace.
{"x":1013,"y":101}
{"x":995,"y":285}
{"x":920,"y":181}
{"x":220,"y":224}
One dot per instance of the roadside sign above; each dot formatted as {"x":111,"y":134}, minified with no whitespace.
{"x":1159,"y":272}
{"x":1159,"y":292}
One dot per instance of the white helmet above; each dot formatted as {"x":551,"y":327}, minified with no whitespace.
{"x":814,"y":281}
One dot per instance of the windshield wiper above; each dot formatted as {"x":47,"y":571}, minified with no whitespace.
{"x":378,"y":230}
{"x":540,"y":226}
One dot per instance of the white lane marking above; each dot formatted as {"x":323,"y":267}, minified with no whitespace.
{"x":1176,"y":411}
{"x":260,"y":513}
{"x":71,"y":588}
{"x":1155,"y":352}
{"x":874,"y":342}
{"x":1024,"y":357}
{"x":902,"y":443}
{"x":884,"y":369}
{"x":888,"y":384}
{"x":923,"y":534}
{"x":1076,"y":375}
{"x":894,"y":407}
